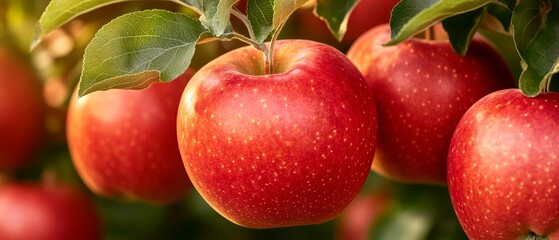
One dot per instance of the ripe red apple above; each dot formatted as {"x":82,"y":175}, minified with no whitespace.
{"x":21,"y":112}
{"x":124,"y":143}
{"x":283,"y":149}
{"x":422,"y":88}
{"x":48,"y":212}
{"x":503,"y":173}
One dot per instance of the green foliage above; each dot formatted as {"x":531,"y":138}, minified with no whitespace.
{"x":410,"y":17}
{"x":502,"y":13}
{"x":527,"y":20}
{"x":535,"y":26}
{"x":125,"y":56}
{"x":268,"y":16}
{"x":59,"y":12}
{"x":461,"y":29}
{"x":336,"y":14}
{"x":541,"y":56}
{"x":216,"y":17}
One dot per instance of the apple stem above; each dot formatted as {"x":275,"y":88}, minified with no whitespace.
{"x":545,"y":85}
{"x":268,"y":53}
{"x":262,"y":47}
{"x":430,"y":33}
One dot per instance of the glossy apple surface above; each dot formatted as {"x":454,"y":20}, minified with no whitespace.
{"x":503,"y":167}
{"x":50,"y":212}
{"x":124,"y":143}
{"x":422,"y":89}
{"x":21,"y":112}
{"x":290,"y":148}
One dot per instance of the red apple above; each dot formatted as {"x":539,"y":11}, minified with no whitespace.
{"x":21,"y":112}
{"x":48,"y":212}
{"x":422,"y":88}
{"x":283,"y":149}
{"x":124,"y":143}
{"x":503,"y":167}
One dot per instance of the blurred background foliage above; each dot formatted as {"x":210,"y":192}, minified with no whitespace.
{"x":383,"y":210}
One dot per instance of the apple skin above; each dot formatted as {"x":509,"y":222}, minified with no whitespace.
{"x":124,"y":145}
{"x":502,"y":167}
{"x":50,"y":212}
{"x":422,"y":88}
{"x":286,"y":149}
{"x":22,"y":112}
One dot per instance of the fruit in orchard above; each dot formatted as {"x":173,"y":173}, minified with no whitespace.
{"x":21,"y":112}
{"x":283,"y":149}
{"x":48,"y":212}
{"x":422,"y":88}
{"x":366,"y":15}
{"x":124,"y":144}
{"x":502,"y":167}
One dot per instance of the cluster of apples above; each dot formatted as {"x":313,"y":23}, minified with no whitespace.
{"x":294,"y":147}
{"x":446,"y":119}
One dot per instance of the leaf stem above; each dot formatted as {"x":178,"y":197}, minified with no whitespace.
{"x":430,"y":33}
{"x":270,"y":55}
{"x":238,"y":14}
{"x":546,"y":83}
{"x":196,"y":10}
{"x":268,"y":52}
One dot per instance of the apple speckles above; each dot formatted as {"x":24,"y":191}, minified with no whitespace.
{"x":116,"y":136}
{"x":414,"y":91}
{"x":506,"y":161}
{"x":301,"y":148}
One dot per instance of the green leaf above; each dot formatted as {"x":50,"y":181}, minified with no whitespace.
{"x":125,"y":56}
{"x":410,"y":17}
{"x":261,"y":17}
{"x":462,"y":28}
{"x":502,"y":14}
{"x":268,"y":16}
{"x":336,"y":14}
{"x":217,"y":15}
{"x":509,"y":3}
{"x":528,"y":19}
{"x":541,"y":57}
{"x":59,"y":12}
